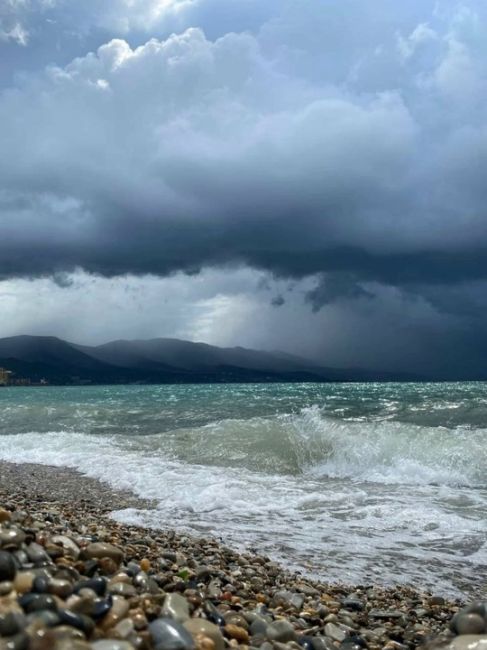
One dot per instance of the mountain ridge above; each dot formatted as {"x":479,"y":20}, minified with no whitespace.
{"x":164,"y":360}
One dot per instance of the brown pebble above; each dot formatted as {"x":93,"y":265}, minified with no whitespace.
{"x":99,"y":550}
{"x":108,"y":566}
{"x":197,"y":626}
{"x":139,"y":619}
{"x":237,"y":632}
{"x":4,"y":515}
{"x":145,"y":565}
{"x":204,"y":642}
{"x":42,"y":640}
{"x":120,"y":577}
{"x":61,"y":588}
{"x":23,"y":582}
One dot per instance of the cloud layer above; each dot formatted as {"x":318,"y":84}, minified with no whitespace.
{"x":188,"y":152}
{"x":347,"y":144}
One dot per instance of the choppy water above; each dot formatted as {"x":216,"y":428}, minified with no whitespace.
{"x":364,"y":483}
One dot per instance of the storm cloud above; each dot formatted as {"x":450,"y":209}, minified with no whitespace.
{"x":342,"y":142}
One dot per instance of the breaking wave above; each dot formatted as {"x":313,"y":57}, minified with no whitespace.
{"x":307,"y":443}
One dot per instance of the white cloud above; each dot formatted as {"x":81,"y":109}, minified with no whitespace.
{"x":16,"y":34}
{"x":421,"y":35}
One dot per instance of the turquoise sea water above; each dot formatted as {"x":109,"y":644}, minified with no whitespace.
{"x":363,"y":483}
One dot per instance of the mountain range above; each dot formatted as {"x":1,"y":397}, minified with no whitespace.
{"x":162,"y":360}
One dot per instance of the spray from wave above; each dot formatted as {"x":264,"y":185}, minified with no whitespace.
{"x":307,"y":443}
{"x":316,"y":446}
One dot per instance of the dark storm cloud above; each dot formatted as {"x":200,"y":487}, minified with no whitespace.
{"x":333,"y":287}
{"x":278,"y":301}
{"x":348,"y":144}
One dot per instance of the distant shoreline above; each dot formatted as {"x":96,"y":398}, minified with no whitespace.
{"x":244,"y":382}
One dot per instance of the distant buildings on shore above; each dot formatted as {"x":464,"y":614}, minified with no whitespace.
{"x":7,"y":378}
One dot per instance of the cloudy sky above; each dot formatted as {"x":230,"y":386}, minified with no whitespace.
{"x":306,"y":175}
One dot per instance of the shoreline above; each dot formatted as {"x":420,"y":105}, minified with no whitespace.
{"x":64,"y":485}
{"x":208,"y":575}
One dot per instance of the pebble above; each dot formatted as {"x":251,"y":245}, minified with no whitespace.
{"x":175,"y":607}
{"x":118,"y":610}
{"x":468,"y":623}
{"x":98,"y":585}
{"x":478,"y":607}
{"x":281,"y":631}
{"x":72,"y":579}
{"x":61,"y":588}
{"x":468,"y":642}
{"x":23,"y":581}
{"x":10,"y":623}
{"x":37,"y":602}
{"x":436,"y":601}
{"x":125,"y":628}
{"x":111,"y":644}
{"x":385,"y":613}
{"x":99,"y":550}
{"x":237,"y":632}
{"x":322,"y":643}
{"x":354,"y":603}
{"x":11,"y":538}
{"x":122,"y":589}
{"x":287,"y":599}
{"x":6,"y":587}
{"x":334,"y":632}
{"x":204,"y":642}
{"x":19,"y":641}
{"x":37,"y":554}
{"x":169,"y":635}
{"x":7,"y":567}
{"x":199,"y":626}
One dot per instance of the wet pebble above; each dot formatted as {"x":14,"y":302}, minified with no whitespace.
{"x":7,"y":567}
{"x":99,"y":550}
{"x":169,"y":635}
{"x":334,"y":632}
{"x":4,"y":516}
{"x":353,"y":603}
{"x":11,"y":538}
{"x":468,"y":623}
{"x":111,"y":644}
{"x":237,"y":632}
{"x":97,"y":584}
{"x":75,"y":580}
{"x":281,"y":631}
{"x":32,"y":602}
{"x":199,"y":626}
{"x":175,"y":607}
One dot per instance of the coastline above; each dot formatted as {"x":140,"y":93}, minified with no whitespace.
{"x":231,"y":588}
{"x":64,"y":486}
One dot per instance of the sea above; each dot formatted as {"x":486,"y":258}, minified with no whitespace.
{"x":353,"y":483}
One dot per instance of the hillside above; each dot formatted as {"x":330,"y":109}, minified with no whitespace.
{"x":160,"y":360}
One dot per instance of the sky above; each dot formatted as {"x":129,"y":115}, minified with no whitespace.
{"x":302,"y":175}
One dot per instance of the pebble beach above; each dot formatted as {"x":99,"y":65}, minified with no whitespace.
{"x":72,"y":577}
